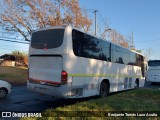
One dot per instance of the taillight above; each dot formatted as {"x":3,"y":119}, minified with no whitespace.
{"x":64,"y":76}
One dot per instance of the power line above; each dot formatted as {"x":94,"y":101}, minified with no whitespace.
{"x":147,"y":41}
{"x":93,"y":11}
{"x":13,"y":41}
{"x":12,"y":49}
{"x":90,"y":10}
{"x":102,"y":17}
{"x":15,"y":45}
{"x":9,"y":38}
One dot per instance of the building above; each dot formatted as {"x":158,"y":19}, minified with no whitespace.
{"x":7,"y":60}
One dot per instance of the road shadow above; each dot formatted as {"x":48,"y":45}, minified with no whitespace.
{"x":67,"y":102}
{"x":152,"y":85}
{"x":62,"y":102}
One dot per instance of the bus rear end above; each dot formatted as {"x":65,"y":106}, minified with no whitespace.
{"x":46,"y":74}
{"x":153,"y":73}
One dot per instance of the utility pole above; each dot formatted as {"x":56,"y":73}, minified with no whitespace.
{"x":131,"y":40}
{"x":95,"y":17}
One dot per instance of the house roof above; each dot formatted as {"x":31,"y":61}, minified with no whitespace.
{"x":8,"y":57}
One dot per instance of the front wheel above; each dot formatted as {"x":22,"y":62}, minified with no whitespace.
{"x":3,"y":93}
{"x":104,"y":89}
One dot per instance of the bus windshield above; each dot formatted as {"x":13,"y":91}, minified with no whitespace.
{"x":47,"y":39}
{"x":154,"y":63}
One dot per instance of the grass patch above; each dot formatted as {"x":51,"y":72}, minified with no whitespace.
{"x":14,"y":75}
{"x":138,"y":100}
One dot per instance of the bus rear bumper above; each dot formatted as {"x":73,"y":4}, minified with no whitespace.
{"x":61,"y":91}
{"x":153,"y":81}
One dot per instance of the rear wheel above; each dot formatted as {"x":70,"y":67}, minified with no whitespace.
{"x":137,"y":83}
{"x":3,"y":93}
{"x":104,"y":89}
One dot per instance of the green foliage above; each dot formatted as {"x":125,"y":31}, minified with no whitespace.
{"x":19,"y":53}
{"x":138,"y":100}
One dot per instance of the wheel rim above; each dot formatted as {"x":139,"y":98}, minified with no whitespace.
{"x":2,"y":93}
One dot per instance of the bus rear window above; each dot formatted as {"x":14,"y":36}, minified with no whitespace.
{"x":154,"y":63}
{"x":47,"y":39}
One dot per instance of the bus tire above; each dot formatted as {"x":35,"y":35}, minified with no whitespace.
{"x":104,"y":89}
{"x":137,"y":83}
{"x":3,"y":93}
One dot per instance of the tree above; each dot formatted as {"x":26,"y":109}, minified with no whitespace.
{"x":22,"y":17}
{"x":148,"y":53}
{"x":116,"y":37}
{"x":25,"y":16}
{"x":21,"y":57}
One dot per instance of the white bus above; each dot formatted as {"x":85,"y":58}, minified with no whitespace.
{"x":66,"y":62}
{"x":153,"y":72}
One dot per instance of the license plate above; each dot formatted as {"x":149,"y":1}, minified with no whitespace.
{"x":39,"y":88}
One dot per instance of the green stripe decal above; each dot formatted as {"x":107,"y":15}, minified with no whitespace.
{"x":100,"y":75}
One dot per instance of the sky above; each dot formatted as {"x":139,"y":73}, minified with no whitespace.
{"x":125,"y":16}
{"x":9,"y":47}
{"x":138,"y":16}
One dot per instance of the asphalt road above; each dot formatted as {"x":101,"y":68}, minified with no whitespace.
{"x":152,"y":86}
{"x":22,"y":100}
